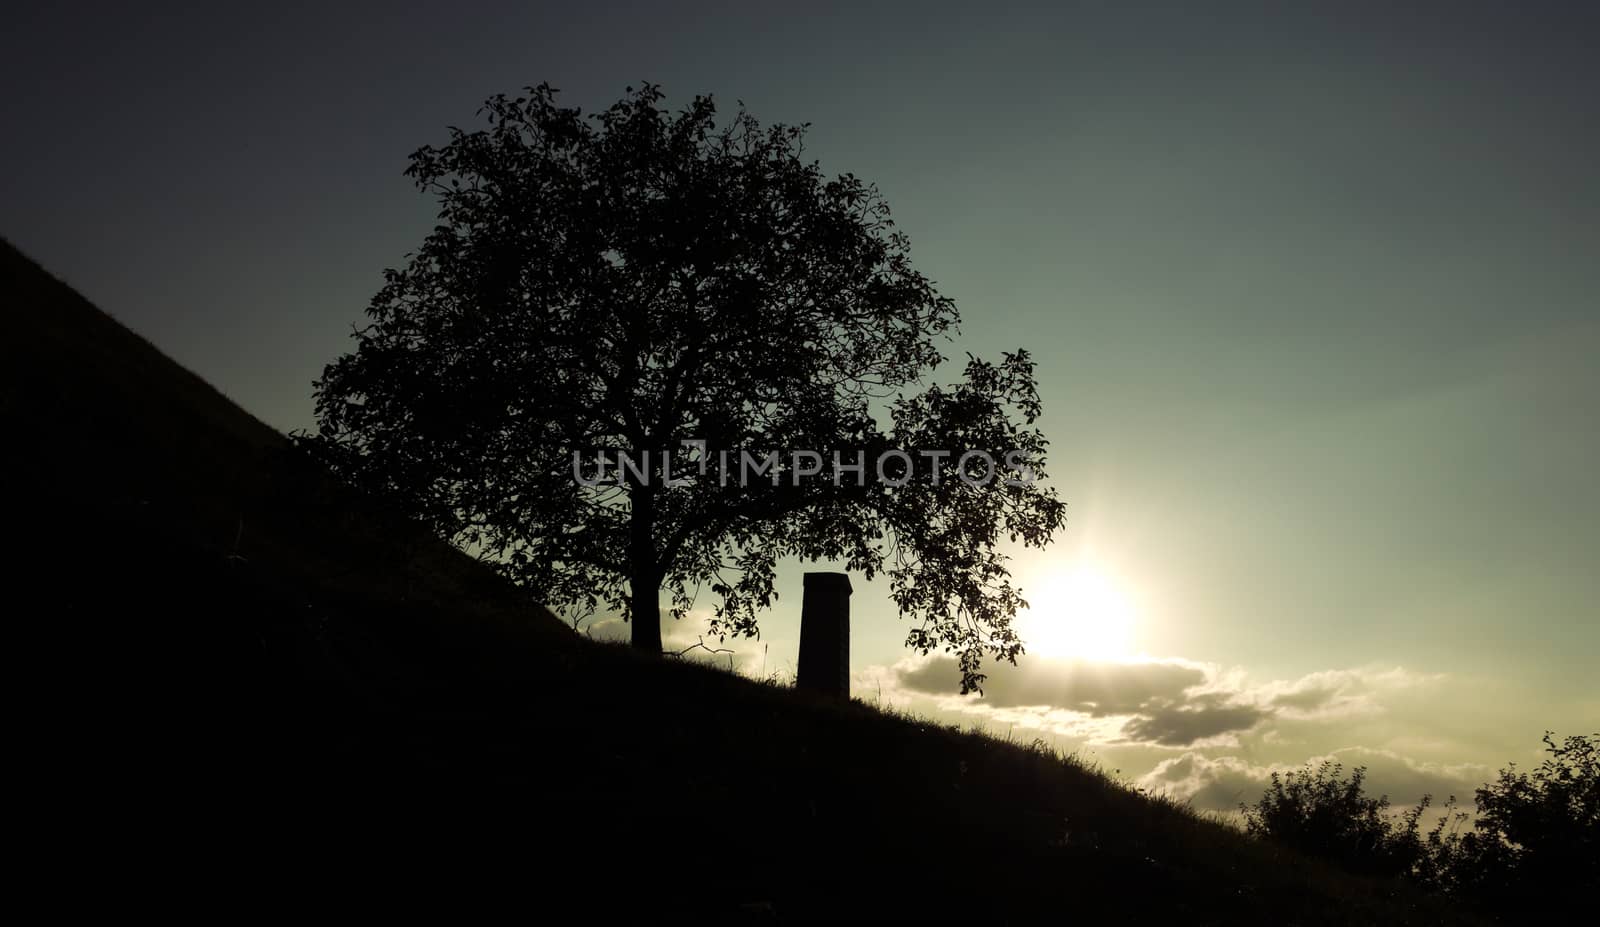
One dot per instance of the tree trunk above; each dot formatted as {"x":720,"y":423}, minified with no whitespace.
{"x":646,"y":608}
{"x":644,"y":579}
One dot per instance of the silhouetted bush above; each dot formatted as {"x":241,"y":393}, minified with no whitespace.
{"x":1534,"y":843}
{"x":1533,"y":846}
{"x":1322,"y":813}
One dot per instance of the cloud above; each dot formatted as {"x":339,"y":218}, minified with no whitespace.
{"x":1220,"y":784}
{"x":1096,"y":689}
{"x":1223,"y":783}
{"x":1203,"y":720}
{"x":1170,"y":703}
{"x":1336,"y":693}
{"x":1165,"y":702}
{"x":1406,"y":780}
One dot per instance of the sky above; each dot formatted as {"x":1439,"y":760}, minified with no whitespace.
{"x":1311,"y":288}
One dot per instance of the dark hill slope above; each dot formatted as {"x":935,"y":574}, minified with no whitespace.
{"x":293,"y":688}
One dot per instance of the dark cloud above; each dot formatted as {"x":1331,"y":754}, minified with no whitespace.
{"x":1182,"y":704}
{"x":1156,"y":695}
{"x":1405,"y":780}
{"x":1097,"y":689}
{"x":1181,"y":724}
{"x":1167,"y":703}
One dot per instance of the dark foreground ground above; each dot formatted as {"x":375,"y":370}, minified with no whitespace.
{"x":247,"y":688}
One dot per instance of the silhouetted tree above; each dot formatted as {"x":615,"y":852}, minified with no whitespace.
{"x":1532,"y":849}
{"x":1320,"y":812}
{"x":628,"y":281}
{"x":1535,"y":843}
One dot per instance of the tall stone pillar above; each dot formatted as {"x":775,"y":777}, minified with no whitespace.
{"x":825,"y":635}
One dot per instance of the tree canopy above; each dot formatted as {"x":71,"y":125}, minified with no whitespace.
{"x":675,"y":293}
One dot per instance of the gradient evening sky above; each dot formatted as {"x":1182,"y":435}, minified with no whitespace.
{"x":1312,"y":288}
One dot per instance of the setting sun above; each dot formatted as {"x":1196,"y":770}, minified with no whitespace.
{"x":1080,"y":613}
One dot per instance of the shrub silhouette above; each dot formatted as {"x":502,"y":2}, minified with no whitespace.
{"x":1320,"y":812}
{"x":1532,"y":848}
{"x":1534,"y":844}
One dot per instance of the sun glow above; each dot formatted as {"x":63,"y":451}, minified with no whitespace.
{"x":1081,"y":613}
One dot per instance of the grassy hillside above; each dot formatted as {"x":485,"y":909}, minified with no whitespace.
{"x":250,"y":676}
